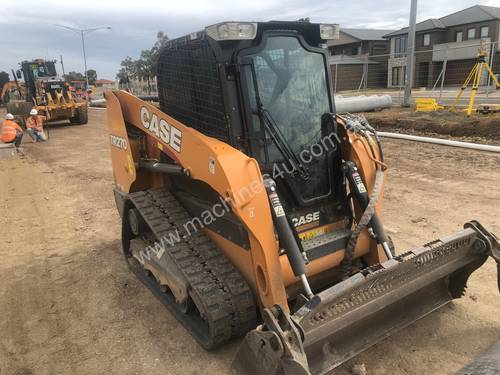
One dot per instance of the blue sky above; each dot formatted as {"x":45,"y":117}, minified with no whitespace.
{"x":28,"y":29}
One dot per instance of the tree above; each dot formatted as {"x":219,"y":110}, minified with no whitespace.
{"x":128,"y":71}
{"x":92,"y":76}
{"x":122,"y":77}
{"x":4,"y":78}
{"x":161,"y":41}
{"x":74,"y":76}
{"x":147,"y":67}
{"x":143,"y":68}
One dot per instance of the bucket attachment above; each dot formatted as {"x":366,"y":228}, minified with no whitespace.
{"x":273,"y":348}
{"x":487,"y":363}
{"x":342,"y":321}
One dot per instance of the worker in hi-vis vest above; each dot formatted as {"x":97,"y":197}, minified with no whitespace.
{"x":10,"y":131}
{"x":34,"y":124}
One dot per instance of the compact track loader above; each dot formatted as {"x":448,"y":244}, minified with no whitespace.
{"x":249,"y":207}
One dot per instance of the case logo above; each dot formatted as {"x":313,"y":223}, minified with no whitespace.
{"x":168,"y":133}
{"x":305,"y":219}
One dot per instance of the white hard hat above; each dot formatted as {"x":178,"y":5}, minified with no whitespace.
{"x":33,"y":112}
{"x":9,"y":116}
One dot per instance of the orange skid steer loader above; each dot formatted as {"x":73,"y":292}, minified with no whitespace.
{"x":249,"y":207}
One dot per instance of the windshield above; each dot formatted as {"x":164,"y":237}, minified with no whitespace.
{"x":43,"y":70}
{"x":292,"y":87}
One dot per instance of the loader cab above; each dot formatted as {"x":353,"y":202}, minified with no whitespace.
{"x":264,"y":88}
{"x":40,"y":75}
{"x":285,"y":85}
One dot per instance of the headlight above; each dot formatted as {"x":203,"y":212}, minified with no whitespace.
{"x":232,"y":31}
{"x":331,"y":31}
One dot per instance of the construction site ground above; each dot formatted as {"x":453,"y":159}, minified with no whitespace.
{"x":68,"y":304}
{"x":479,"y":128}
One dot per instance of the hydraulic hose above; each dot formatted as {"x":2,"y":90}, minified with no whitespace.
{"x":358,"y":124}
{"x":362,"y":224}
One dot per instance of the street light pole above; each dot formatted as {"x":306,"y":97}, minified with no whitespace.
{"x":410,"y":53}
{"x":84,"y":60}
{"x":82,"y":33}
{"x":62,"y":65}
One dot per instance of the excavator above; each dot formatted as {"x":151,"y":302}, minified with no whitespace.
{"x":249,"y":207}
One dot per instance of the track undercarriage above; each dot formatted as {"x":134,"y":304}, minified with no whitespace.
{"x":191,"y":277}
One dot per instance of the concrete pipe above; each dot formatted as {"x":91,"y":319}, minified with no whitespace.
{"x":362,"y":103}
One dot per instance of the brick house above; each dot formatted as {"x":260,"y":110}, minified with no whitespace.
{"x":105,"y":83}
{"x":356,"y":54}
{"x":455,"y":38}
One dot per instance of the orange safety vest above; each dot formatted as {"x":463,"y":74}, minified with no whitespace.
{"x":35,"y":122}
{"x":9,"y":130}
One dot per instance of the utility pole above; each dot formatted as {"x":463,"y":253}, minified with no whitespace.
{"x":410,"y":53}
{"x":82,"y":33}
{"x":62,"y":65}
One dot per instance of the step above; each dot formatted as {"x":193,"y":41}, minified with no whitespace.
{"x":325,"y":244}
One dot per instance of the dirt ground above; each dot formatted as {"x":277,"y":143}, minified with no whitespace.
{"x":68,"y":304}
{"x":479,"y":128}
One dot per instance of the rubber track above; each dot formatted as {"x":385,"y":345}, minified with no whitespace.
{"x":227,"y":301}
